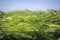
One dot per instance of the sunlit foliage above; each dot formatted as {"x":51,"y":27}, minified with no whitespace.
{"x":30,"y":25}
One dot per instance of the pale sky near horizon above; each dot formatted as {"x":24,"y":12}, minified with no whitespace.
{"x":8,"y":5}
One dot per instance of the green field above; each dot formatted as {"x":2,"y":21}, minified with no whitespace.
{"x":30,"y":25}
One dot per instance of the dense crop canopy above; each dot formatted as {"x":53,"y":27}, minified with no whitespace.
{"x":34,"y":25}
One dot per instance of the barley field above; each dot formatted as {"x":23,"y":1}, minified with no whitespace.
{"x":30,"y":25}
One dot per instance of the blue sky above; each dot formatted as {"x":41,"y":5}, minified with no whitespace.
{"x":8,"y":5}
